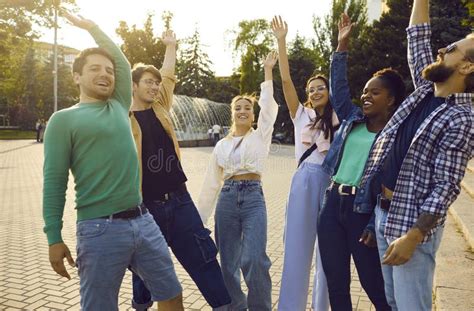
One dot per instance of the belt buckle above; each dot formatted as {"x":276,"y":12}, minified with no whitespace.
{"x":340,"y":188}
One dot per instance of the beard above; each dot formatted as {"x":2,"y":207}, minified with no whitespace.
{"x":437,"y":72}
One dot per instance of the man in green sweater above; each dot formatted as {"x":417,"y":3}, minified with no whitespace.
{"x":93,"y":139}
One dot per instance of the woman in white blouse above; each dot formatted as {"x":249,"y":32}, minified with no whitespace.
{"x":233,"y":181}
{"x":314,"y":123}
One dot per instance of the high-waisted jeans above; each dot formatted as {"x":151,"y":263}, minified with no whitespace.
{"x":241,"y":236}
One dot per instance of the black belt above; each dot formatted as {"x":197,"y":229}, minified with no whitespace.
{"x":344,"y":189}
{"x":130,"y":213}
{"x":180,"y":190}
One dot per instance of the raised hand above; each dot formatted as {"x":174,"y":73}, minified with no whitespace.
{"x":279,"y":27}
{"x":270,"y":60}
{"x":168,"y":38}
{"x":344,"y":27}
{"x":78,"y":20}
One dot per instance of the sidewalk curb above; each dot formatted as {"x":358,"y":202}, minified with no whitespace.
{"x":464,"y":230}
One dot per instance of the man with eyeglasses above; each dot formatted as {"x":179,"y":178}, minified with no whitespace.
{"x":163,"y":182}
{"x":421,"y":157}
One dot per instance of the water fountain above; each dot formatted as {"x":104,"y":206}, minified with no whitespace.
{"x":192,"y":117}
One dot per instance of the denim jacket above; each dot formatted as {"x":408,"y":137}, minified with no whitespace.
{"x":349,"y":115}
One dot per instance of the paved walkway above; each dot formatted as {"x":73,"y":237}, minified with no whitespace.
{"x":26,"y":278}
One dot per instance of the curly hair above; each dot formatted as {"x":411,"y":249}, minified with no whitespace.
{"x":393,"y":81}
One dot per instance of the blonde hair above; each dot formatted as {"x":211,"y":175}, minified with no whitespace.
{"x":252,"y":99}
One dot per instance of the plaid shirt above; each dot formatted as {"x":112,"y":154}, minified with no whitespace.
{"x":435,"y":163}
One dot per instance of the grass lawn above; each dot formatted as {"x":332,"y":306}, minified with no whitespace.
{"x":17,"y":134}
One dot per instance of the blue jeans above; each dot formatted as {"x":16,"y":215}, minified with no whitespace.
{"x":106,"y":247}
{"x":241,"y":236}
{"x":182,"y":228}
{"x":339,"y":231}
{"x":408,"y":286}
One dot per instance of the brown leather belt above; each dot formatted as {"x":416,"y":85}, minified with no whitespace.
{"x":387,"y":193}
{"x":386,"y":198}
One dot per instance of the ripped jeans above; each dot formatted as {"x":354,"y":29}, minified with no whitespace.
{"x":190,"y":242}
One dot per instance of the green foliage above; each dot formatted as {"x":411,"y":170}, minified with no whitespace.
{"x":19,"y":69}
{"x":326,"y":30}
{"x":446,"y":17}
{"x":194,"y":73}
{"x":223,"y":89}
{"x":384,"y":43}
{"x":252,"y":41}
{"x":141,"y":45}
{"x":17,"y":134}
{"x":167,"y":17}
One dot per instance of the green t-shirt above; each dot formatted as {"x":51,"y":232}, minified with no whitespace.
{"x":355,"y":154}
{"x":95,"y":142}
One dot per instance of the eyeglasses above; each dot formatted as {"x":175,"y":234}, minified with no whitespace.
{"x":452,"y":47}
{"x":150,"y":82}
{"x":319,"y":88}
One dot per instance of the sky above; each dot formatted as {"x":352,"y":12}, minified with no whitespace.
{"x":214,"y":19}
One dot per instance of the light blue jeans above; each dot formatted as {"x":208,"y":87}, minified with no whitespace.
{"x":241,"y":237}
{"x":408,"y":286}
{"x":107,"y":247}
{"x":304,"y":202}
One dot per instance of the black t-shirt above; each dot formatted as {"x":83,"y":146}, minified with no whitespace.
{"x":162,"y":171}
{"x":405,"y":135}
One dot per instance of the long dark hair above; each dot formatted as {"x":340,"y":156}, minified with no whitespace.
{"x":326,"y":118}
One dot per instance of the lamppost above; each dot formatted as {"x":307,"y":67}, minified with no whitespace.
{"x":55,"y":57}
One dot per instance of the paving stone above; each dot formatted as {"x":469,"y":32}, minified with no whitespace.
{"x":26,"y":272}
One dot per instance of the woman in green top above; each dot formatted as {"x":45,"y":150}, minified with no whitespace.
{"x":343,"y":225}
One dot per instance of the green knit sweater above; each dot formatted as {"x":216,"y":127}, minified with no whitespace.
{"x":95,"y":142}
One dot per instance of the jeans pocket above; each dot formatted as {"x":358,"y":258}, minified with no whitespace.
{"x":206,"y":245}
{"x":91,"y":229}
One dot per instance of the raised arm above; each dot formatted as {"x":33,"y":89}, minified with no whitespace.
{"x":57,"y":155}
{"x":420,"y":12}
{"x":420,"y":53}
{"x":338,"y":84}
{"x":123,"y":77}
{"x":280,"y":30}
{"x":268,"y":105}
{"x":165,"y":93}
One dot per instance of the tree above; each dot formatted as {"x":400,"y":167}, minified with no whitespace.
{"x":326,"y":31}
{"x":194,"y":73}
{"x":17,"y":18}
{"x":141,"y":45}
{"x":252,"y":41}
{"x":68,"y":92}
{"x":451,"y":21}
{"x":167,"y":17}
{"x":384,"y":44}
{"x":223,"y":89}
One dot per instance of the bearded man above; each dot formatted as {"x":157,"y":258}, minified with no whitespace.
{"x":420,"y":157}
